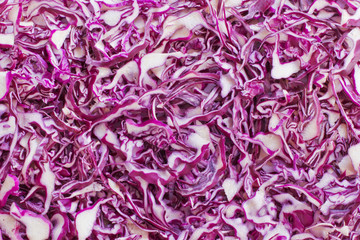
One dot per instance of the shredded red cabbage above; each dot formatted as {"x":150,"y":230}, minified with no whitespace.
{"x":176,"y":119}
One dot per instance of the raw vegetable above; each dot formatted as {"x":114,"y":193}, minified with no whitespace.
{"x":37,"y":227}
{"x":164,"y":119}
{"x":9,"y":186}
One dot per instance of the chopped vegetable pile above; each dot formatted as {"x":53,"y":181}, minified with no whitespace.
{"x":179,"y":119}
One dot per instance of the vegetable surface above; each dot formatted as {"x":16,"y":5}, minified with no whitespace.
{"x":164,"y":119}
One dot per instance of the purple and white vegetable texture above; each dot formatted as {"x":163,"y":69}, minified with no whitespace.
{"x":179,"y":119}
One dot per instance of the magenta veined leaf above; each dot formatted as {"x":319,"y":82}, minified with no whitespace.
{"x":8,"y":187}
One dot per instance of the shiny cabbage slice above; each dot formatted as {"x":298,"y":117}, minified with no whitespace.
{"x":37,"y":226}
{"x":8,"y":187}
